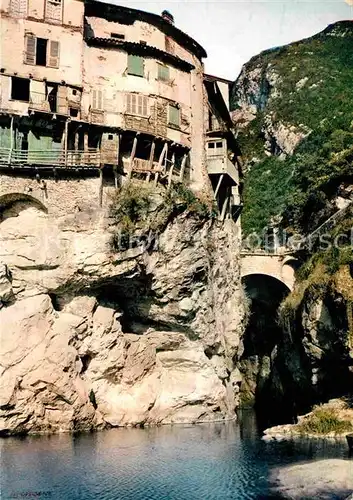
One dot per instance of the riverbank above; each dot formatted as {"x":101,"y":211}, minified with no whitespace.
{"x":330,"y":420}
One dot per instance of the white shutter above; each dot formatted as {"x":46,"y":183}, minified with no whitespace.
{"x":30,"y":49}
{"x":128,"y":104}
{"x":53,"y":55}
{"x":140,"y":105}
{"x":144,"y":106}
{"x":53,"y":10}
{"x":18,"y":7}
{"x":97,"y":99}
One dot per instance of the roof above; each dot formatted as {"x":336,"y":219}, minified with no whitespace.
{"x":127,"y":15}
{"x":141,"y":50}
{"x":212,"y":78}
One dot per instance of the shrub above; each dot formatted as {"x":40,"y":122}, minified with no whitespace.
{"x":324,"y":421}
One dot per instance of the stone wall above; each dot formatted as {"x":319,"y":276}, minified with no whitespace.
{"x":61,"y":197}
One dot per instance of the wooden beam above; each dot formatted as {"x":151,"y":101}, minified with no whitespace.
{"x":171,"y":171}
{"x":160,"y":161}
{"x":218,"y":185}
{"x":65,"y":140}
{"x":132,"y":156}
{"x":101,"y":186}
{"x":224,"y":208}
{"x":150,"y":163}
{"x":11,"y":139}
{"x":183,"y":165}
{"x":85,"y":140}
{"x":116,"y":166}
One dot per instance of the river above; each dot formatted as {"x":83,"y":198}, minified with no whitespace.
{"x":202,"y":462}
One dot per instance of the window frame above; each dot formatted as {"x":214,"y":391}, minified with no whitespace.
{"x":52,"y":59}
{"x":28,"y":81}
{"x":143,"y":104}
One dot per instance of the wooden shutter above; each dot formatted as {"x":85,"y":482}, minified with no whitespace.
{"x":140,"y":105}
{"x":30,"y":49}
{"x":97,"y":99}
{"x":135,"y":65}
{"x":144,"y":106}
{"x":174,"y":115}
{"x":18,"y":7}
{"x":53,"y":54}
{"x":128,"y":104}
{"x":62,"y":104}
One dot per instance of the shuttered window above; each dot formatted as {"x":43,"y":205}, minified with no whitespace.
{"x":97,"y":100}
{"x":30,"y":49}
{"x":53,"y":54}
{"x":19,"y":7}
{"x":137,"y":104}
{"x":163,"y":72}
{"x":53,"y":10}
{"x":174,"y":115}
{"x":135,"y":65}
{"x":40,"y":53}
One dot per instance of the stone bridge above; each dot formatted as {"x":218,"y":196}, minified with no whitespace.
{"x":280,"y":266}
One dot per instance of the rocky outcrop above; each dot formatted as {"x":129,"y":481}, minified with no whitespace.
{"x":257,"y":87}
{"x":324,"y":479}
{"x":330,"y":420}
{"x":91,"y":337}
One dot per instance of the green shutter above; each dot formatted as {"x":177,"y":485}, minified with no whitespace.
{"x":135,"y":65}
{"x":163,"y":72}
{"x":174,"y":116}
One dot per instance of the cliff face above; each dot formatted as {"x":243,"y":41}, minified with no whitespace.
{"x":93,"y":337}
{"x":293,"y":110}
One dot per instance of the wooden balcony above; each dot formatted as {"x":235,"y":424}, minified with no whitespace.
{"x":49,"y":158}
{"x":222,"y":165}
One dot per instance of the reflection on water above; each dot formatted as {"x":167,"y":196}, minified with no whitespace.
{"x":210,"y":461}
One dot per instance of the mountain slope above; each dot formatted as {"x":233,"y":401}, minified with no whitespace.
{"x":293,"y":108}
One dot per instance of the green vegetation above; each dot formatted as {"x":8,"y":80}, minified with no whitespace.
{"x":312,"y":92}
{"x":139,"y":209}
{"x":324,"y":421}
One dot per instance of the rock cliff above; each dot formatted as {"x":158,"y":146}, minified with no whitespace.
{"x":92,"y":337}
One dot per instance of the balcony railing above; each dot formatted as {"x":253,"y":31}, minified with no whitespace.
{"x":16,"y":157}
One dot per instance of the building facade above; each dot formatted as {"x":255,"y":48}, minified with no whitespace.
{"x":111,"y":92}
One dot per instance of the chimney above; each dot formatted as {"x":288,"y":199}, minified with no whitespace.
{"x":167,"y":16}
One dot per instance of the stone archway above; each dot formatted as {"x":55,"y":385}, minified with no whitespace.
{"x":11,"y":204}
{"x":263,"y":333}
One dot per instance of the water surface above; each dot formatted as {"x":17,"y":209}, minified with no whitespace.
{"x":203,"y":462}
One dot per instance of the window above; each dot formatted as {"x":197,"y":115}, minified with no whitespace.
{"x":18,"y":7}
{"x":53,"y":10}
{"x":41,"y":52}
{"x":119,"y":36}
{"x":174,"y":116}
{"x":163,"y":72}
{"x":135,"y":65}
{"x":137,"y":104}
{"x":97,"y":100}
{"x":20,"y":89}
{"x":219,"y":145}
{"x":211,"y":145}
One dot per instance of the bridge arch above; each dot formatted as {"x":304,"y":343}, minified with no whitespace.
{"x":18,"y":202}
{"x":279,"y":267}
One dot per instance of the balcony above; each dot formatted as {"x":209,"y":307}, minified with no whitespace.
{"x":49,"y":158}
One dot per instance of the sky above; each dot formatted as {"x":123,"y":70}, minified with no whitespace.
{"x":232,"y":31}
